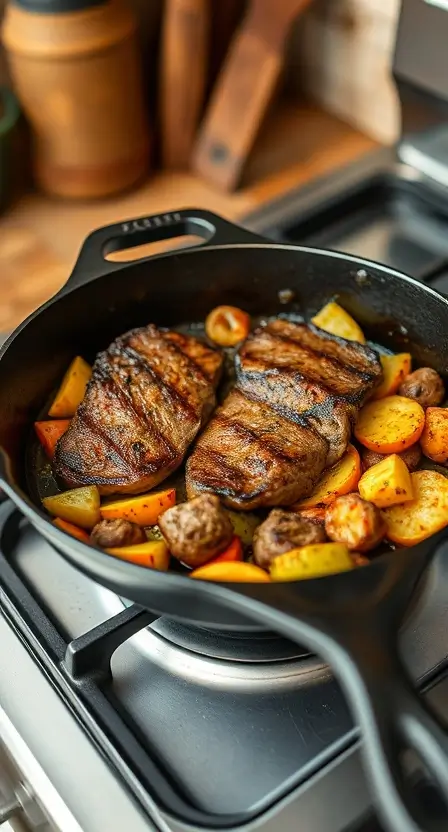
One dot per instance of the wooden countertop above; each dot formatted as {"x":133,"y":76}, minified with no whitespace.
{"x":40,"y":236}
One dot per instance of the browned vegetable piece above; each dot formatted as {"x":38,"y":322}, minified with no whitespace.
{"x":411,"y":457}
{"x":355,"y":522}
{"x":434,"y":439}
{"x":281,"y":532}
{"x":227,"y":325}
{"x":111,"y":534}
{"x":359,"y":560}
{"x":424,"y":386}
{"x":197,"y":531}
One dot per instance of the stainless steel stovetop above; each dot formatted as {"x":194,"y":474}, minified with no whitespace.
{"x":195,"y":730}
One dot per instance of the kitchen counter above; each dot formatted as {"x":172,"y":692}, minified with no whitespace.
{"x":40,"y":236}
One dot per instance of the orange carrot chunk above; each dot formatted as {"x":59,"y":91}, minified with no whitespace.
{"x":70,"y":528}
{"x":234,"y":552}
{"x":49,"y":432}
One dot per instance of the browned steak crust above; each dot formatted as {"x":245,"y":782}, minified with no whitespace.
{"x":150,"y":393}
{"x":297,"y":393}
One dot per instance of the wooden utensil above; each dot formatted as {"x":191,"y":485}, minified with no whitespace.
{"x":243,"y":91}
{"x":184,"y":51}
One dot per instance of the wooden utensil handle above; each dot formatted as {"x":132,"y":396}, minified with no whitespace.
{"x":243,"y":91}
{"x":183,"y":77}
{"x":233,"y":118}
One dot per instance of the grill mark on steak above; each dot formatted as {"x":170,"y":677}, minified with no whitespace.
{"x":150,"y":393}
{"x":145,"y":417}
{"x":289,"y":416}
{"x":265,"y":455}
{"x":176,"y":397}
{"x":278,"y":352}
{"x":245,"y":432}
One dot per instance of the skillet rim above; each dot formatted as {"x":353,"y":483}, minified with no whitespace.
{"x":125,"y":568}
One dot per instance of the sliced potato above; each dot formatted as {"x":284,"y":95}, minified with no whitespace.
{"x":244,"y":525}
{"x":72,"y":389}
{"x":387,"y":484}
{"x":144,"y":510}
{"x":153,"y":554}
{"x":334,"y":319}
{"x":340,"y":479}
{"x":313,"y":561}
{"x":80,"y":506}
{"x":434,"y":439}
{"x":395,"y":370}
{"x":231,"y":572}
{"x":390,"y":425}
{"x":426,"y":514}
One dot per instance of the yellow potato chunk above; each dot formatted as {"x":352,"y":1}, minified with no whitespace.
{"x":434,"y":439}
{"x":231,"y":571}
{"x":244,"y":525}
{"x":395,"y":370}
{"x":339,"y":479}
{"x":153,"y":554}
{"x":388,"y":483}
{"x":72,"y":389}
{"x":312,"y":561}
{"x":412,"y":522}
{"x":334,"y":319}
{"x":80,"y":506}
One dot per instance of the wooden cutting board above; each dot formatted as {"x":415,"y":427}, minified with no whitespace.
{"x":243,"y":91}
{"x":30,"y":274}
{"x":183,"y":70}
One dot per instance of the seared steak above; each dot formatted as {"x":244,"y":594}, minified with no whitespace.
{"x":297,"y":393}
{"x":150,"y":393}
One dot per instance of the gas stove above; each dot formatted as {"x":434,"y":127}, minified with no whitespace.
{"x":112,"y":718}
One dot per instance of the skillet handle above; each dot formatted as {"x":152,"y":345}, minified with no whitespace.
{"x":352,"y":621}
{"x":213,"y":229}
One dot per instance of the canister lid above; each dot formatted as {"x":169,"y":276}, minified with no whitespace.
{"x":57,"y":6}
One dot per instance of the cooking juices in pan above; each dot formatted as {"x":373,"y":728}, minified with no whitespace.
{"x":387,"y":487}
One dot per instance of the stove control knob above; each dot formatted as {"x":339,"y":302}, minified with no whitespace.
{"x":22,"y":805}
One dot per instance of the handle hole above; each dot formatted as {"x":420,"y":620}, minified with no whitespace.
{"x":148,"y":236}
{"x":149,"y":249}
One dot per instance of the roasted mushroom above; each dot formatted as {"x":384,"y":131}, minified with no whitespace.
{"x":281,"y":532}
{"x":198,"y":530}
{"x":425,"y":386}
{"x":411,"y":457}
{"x":355,"y":522}
{"x":111,"y":534}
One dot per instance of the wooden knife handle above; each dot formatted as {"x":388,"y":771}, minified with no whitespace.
{"x":243,"y":91}
{"x":183,"y":60}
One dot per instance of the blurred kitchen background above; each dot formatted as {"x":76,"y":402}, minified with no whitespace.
{"x":114,"y":109}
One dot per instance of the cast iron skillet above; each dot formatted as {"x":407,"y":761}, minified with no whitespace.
{"x":351,"y":619}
